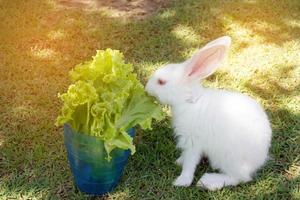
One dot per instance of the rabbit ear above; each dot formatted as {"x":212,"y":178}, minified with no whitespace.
{"x":207,"y":59}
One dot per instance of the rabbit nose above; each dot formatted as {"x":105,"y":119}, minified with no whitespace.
{"x":149,"y":88}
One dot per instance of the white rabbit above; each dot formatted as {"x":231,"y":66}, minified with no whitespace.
{"x":231,"y":129}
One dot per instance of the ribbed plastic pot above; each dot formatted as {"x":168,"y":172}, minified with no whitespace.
{"x":93,"y":174}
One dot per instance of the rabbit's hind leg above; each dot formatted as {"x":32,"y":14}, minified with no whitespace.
{"x":216,"y":181}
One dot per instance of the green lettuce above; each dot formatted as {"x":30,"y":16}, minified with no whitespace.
{"x":105,"y":99}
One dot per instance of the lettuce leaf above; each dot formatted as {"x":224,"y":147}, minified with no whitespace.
{"x":140,"y":110}
{"x":105,"y":99}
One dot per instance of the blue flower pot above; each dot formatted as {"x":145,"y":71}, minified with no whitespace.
{"x":93,"y":174}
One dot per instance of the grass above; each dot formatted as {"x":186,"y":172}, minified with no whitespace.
{"x":40,"y":42}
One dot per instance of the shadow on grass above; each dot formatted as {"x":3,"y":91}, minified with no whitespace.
{"x":275,"y":22}
{"x":41,"y":45}
{"x":275,"y":83}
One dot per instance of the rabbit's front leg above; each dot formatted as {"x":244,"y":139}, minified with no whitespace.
{"x":179,"y":160}
{"x":189,"y":160}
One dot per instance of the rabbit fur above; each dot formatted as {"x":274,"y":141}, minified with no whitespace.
{"x":231,"y":129}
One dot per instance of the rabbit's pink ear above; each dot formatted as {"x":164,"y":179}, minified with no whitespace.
{"x":208,"y":58}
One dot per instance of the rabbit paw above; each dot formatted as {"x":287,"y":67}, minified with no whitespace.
{"x":214,"y":181}
{"x":183,"y":181}
{"x":208,"y":181}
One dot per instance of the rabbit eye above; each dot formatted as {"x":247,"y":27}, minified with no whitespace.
{"x":161,"y":81}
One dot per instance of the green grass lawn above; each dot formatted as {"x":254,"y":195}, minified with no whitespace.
{"x":41,"y":41}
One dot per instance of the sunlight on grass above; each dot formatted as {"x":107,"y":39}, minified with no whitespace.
{"x":250,"y":1}
{"x":21,"y":112}
{"x":16,"y":194}
{"x":293,"y":172}
{"x":1,"y":138}
{"x":296,"y":192}
{"x":167,"y":14}
{"x":56,"y":35}
{"x":119,"y":195}
{"x":267,"y":185}
{"x":250,"y":53}
{"x":112,"y":12}
{"x":42,"y":53}
{"x":186,"y":34}
{"x":292,"y":23}
{"x":240,"y":32}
